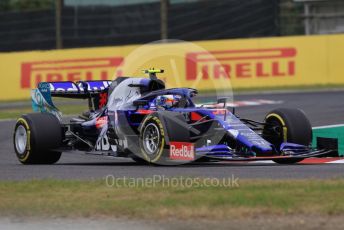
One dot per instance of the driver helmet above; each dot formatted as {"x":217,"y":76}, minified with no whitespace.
{"x":167,"y":101}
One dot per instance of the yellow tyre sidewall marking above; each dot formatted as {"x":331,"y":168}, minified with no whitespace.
{"x":278,"y":117}
{"x":158,"y":122}
{"x":28,"y":134}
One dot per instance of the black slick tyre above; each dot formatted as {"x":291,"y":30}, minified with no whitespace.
{"x":290,"y":125}
{"x":36,"y":136}
{"x":152,"y":140}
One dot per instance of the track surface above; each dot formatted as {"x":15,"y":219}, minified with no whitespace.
{"x":322,"y":108}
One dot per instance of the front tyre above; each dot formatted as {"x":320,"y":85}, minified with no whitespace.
{"x":152,"y":140}
{"x":35,"y":137}
{"x":289,"y":125}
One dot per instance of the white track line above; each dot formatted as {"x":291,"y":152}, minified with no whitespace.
{"x":5,"y":120}
{"x":328,"y":126}
{"x":336,"y":162}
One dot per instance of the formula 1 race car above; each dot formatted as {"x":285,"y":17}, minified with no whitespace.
{"x":140,"y":119}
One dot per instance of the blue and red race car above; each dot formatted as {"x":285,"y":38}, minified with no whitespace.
{"x":139,"y":118}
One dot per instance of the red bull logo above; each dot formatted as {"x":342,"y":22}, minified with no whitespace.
{"x":68,"y":70}
{"x":182,"y":151}
{"x":247,"y":63}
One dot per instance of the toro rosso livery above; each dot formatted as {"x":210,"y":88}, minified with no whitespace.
{"x":138,"y":118}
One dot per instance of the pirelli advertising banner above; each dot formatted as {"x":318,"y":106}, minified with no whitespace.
{"x":208,"y":65}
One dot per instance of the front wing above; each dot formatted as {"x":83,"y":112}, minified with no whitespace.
{"x":237,"y":157}
{"x":325,"y":147}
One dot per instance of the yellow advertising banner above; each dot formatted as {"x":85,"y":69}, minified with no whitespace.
{"x":207,"y":65}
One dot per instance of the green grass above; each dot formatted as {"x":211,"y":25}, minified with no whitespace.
{"x":57,"y":198}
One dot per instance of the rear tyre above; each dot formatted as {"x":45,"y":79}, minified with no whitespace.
{"x":290,"y":125}
{"x":35,"y":137}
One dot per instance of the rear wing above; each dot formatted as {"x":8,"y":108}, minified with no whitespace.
{"x":80,"y":89}
{"x":95,"y":91}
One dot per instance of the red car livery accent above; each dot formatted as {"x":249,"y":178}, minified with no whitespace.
{"x":182,"y":151}
{"x":195,"y":116}
{"x":102,"y":99}
{"x":144,"y":111}
{"x":101,"y":121}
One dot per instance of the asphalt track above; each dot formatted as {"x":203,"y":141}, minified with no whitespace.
{"x":322,"y":108}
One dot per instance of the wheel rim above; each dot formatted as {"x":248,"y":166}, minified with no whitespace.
{"x":275,"y":133}
{"x":21,"y":139}
{"x":151,"y":139}
{"x":278,"y":129}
